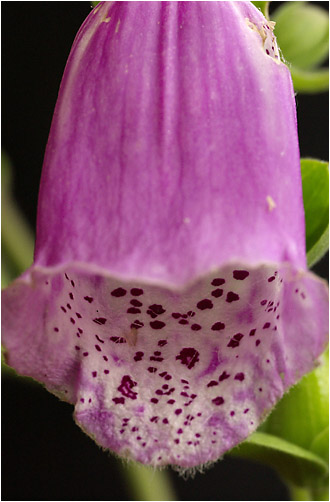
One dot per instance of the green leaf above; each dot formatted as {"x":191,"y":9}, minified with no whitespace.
{"x":294,"y":463}
{"x":315,"y":181}
{"x":310,"y":81}
{"x":94,"y":4}
{"x":303,"y":413}
{"x":263,"y":6}
{"x":302,"y":31}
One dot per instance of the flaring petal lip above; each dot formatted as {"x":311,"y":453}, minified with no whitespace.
{"x":169,"y":299}
{"x":167,"y":376}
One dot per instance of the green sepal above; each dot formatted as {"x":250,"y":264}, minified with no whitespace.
{"x":263,"y":6}
{"x":294,"y":438}
{"x":308,"y":82}
{"x":302,"y":31}
{"x":295,"y":464}
{"x":94,"y":4}
{"x":315,"y":182}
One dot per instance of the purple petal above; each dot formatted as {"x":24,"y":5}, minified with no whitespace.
{"x":169,"y":299}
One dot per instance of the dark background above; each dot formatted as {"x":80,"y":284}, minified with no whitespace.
{"x":45,"y":455}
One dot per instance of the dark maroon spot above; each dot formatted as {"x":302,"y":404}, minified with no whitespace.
{"x":105,"y":358}
{"x":218,"y":282}
{"x":191,"y":313}
{"x":66,"y":276}
{"x":205,"y":304}
{"x":154,"y":400}
{"x":80,"y":330}
{"x":212,"y":383}
{"x":154,"y":358}
{"x":267,"y":52}
{"x":138,"y":356}
{"x":223,"y":376}
{"x":100,"y":320}
{"x":165,"y":421}
{"x":184,"y":394}
{"x":184,"y":316}
{"x":217,"y":293}
{"x":69,"y":306}
{"x":218,"y":326}
{"x":71,"y":296}
{"x":232,"y":297}
{"x":72,"y":320}
{"x":106,"y":372}
{"x":94,"y":373}
{"x":271,"y":279}
{"x":64,"y":310}
{"x":77,"y":348}
{"x":159,"y":392}
{"x":78,"y":315}
{"x":82,"y":400}
{"x":118,"y":292}
{"x":88,"y":299}
{"x":99,"y":339}
{"x":266,"y":325}
{"x":152,"y":370}
{"x":263,"y":302}
{"x":154,"y":419}
{"x":183,"y":321}
{"x":125,"y":388}
{"x":179,"y":431}
{"x":260,"y":389}
{"x":137,"y":324}
{"x":98,"y":348}
{"x":165,"y":386}
{"x":246,"y":410}
{"x":136,"y":303}
{"x":163,"y":374}
{"x":218,"y":400}
{"x":171,"y":401}
{"x":85,"y":354}
{"x":257,"y":343}
{"x":239,"y":376}
{"x":72,"y":284}
{"x":240,"y":275}
{"x":161,"y":343}
{"x":189,"y":357}
{"x":157,"y":324}
{"x":238,"y":336}
{"x":252,"y":332}
{"x":133,"y":310}
{"x":168,"y":377}
{"x":117,"y":339}
{"x":178,"y":411}
{"x":56,"y":330}
{"x":195,"y":327}
{"x":134,"y":429}
{"x":176,"y":315}
{"x":119,"y":400}
{"x":157,"y":309}
{"x":177,"y":441}
{"x":136,"y":292}
{"x":234,"y":342}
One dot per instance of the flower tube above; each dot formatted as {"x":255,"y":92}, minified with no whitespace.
{"x":169,"y":298}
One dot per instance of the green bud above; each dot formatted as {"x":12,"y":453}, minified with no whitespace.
{"x":302,"y":31}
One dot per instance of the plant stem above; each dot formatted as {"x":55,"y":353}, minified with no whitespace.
{"x":147,"y":483}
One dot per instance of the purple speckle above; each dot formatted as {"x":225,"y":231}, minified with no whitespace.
{"x":239,"y":376}
{"x":205,"y":304}
{"x":136,"y":292}
{"x":218,"y":282}
{"x":232,"y":297}
{"x":240,"y":275}
{"x":218,"y":326}
{"x":217,"y":293}
{"x":157,"y":324}
{"x":118,"y":292}
{"x":218,"y":400}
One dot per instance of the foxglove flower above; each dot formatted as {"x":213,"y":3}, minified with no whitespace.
{"x":169,"y":299}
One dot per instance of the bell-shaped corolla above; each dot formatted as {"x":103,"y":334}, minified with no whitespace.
{"x":169,"y":299}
